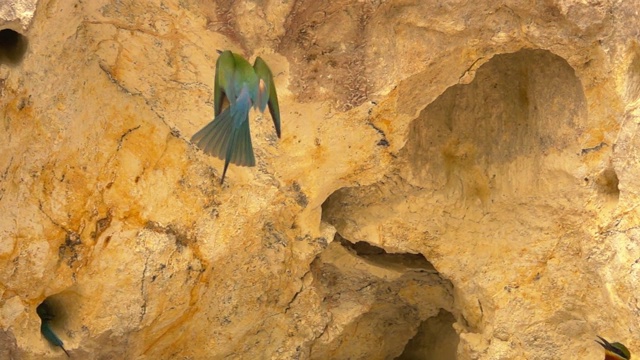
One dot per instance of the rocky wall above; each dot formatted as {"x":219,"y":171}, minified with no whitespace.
{"x":454,"y":180}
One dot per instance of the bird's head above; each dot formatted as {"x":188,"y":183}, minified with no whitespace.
{"x":614,"y":351}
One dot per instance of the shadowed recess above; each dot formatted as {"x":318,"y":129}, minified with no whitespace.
{"x":607,"y":183}
{"x":436,"y":339}
{"x":492,"y":137}
{"x":13,"y":46}
{"x":382,"y":258}
{"x":383,"y":296}
{"x":53,"y":316}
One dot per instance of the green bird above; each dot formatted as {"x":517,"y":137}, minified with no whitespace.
{"x":614,"y":351}
{"x":228,"y":136}
{"x":45,"y":314}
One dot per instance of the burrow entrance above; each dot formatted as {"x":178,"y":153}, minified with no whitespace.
{"x":13,"y":46}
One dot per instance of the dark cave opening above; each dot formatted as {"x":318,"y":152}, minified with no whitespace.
{"x":52,"y":316}
{"x":13,"y":46}
{"x":436,"y":339}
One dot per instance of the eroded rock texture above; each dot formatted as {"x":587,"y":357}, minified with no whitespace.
{"x":455,"y":180}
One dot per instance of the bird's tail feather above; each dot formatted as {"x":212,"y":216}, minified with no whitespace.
{"x":239,"y":149}
{"x":213,"y":139}
{"x":228,"y":138}
{"x":48,"y":333}
{"x":225,"y":141}
{"x":240,"y":146}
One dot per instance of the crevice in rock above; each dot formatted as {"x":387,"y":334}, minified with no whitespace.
{"x":13,"y":46}
{"x":295,"y":296}
{"x":380,"y":257}
{"x":116,"y":82}
{"x":436,"y":339}
{"x":376,"y":300}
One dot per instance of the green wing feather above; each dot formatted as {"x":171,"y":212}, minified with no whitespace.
{"x":223,"y":81}
{"x":262,"y":70}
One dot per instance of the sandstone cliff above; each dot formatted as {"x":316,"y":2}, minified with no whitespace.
{"x":455,"y":180}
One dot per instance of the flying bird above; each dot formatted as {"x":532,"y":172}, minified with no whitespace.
{"x":228,"y":136}
{"x":614,"y":351}
{"x":45,"y":314}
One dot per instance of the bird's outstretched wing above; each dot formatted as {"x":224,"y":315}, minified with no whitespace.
{"x":267,"y":92}
{"x":224,"y":81}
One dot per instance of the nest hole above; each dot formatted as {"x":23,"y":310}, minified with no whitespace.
{"x":607,"y":183}
{"x":13,"y":46}
{"x":53,"y":318}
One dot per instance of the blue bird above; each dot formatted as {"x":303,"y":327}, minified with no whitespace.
{"x":45,"y":314}
{"x":228,"y":136}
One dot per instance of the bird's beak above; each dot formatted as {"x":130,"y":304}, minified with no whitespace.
{"x":605,"y":344}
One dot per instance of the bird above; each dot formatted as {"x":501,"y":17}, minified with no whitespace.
{"x":614,"y":351}
{"x":228,"y":135}
{"x":45,"y":314}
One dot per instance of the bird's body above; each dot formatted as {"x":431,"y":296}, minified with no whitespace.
{"x":228,"y":136}
{"x":614,"y":351}
{"x":46,"y":316}
{"x":48,"y":333}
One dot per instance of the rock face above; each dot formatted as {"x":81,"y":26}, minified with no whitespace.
{"x":455,"y":180}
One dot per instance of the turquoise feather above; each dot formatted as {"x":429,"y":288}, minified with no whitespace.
{"x":45,"y":314}
{"x":228,"y":136}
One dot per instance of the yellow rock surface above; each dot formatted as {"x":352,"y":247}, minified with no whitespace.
{"x":455,"y":180}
